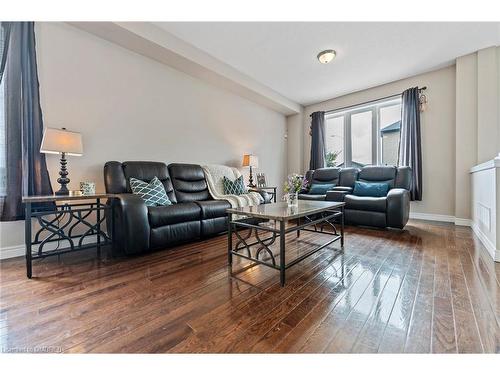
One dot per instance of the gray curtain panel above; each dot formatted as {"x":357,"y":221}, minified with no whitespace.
{"x":410,"y":146}
{"x":318,"y":151}
{"x":26,"y":169}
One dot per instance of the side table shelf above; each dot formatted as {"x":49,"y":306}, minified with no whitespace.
{"x":69,"y":220}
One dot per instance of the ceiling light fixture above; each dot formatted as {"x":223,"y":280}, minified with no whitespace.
{"x":326,"y":56}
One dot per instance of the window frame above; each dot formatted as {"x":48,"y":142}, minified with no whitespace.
{"x":346,"y":113}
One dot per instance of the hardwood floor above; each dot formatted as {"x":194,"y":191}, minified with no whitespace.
{"x":430,"y":288}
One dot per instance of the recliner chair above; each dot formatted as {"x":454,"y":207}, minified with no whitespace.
{"x":319,"y":176}
{"x":390,"y":211}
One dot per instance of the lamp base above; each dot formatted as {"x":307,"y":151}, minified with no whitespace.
{"x":63,"y":180}
{"x":250,"y":179}
{"x":62,"y":191}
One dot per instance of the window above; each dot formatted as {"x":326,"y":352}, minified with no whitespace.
{"x":365,"y":134}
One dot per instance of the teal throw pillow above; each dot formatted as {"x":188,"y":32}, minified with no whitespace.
{"x":320,"y":189}
{"x":236,"y":187}
{"x":371,"y":189}
{"x":153,"y":193}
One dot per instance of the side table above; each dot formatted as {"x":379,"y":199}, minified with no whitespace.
{"x":69,"y":220}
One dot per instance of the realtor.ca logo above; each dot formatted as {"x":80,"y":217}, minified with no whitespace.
{"x":31,"y":349}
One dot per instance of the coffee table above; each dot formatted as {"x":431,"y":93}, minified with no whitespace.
{"x":278,"y":219}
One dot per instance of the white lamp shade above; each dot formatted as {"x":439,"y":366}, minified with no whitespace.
{"x":250,"y":161}
{"x":56,"y":141}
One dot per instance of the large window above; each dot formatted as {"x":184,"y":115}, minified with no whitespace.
{"x":363,"y":135}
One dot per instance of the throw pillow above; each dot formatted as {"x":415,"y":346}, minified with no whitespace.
{"x":236,"y":187}
{"x":153,"y":193}
{"x":320,"y":189}
{"x":371,"y":189}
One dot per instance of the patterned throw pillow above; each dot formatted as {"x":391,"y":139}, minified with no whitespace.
{"x":236,"y":187}
{"x":154,"y":193}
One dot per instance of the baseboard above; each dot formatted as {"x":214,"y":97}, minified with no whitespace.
{"x":432,"y":217}
{"x":463,"y":222}
{"x":442,"y":218}
{"x":12,"y":251}
{"x":20,"y":250}
{"x":490,"y":246}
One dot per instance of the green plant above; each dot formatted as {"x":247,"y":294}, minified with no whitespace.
{"x":331,"y":158}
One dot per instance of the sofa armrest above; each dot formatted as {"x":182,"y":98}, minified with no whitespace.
{"x":398,"y":208}
{"x":335,"y":195}
{"x":264,"y":194}
{"x":345,"y":189}
{"x":131,"y":225}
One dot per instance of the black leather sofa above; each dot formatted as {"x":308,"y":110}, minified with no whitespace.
{"x":193,"y":214}
{"x":343,"y":178}
{"x":390,"y":211}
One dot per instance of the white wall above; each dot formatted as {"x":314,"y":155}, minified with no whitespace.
{"x":487,"y":104}
{"x":485,"y":179}
{"x":438,"y":134}
{"x":295,"y":146}
{"x":477,"y":120}
{"x":465,"y":132}
{"x":129,"y":107}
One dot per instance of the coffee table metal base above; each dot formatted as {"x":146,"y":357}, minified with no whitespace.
{"x":263,"y":254}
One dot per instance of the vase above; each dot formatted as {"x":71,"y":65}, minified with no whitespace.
{"x":87,"y":187}
{"x":292,"y":199}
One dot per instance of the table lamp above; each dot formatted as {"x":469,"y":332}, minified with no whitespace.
{"x":250,"y":161}
{"x":64,"y":142}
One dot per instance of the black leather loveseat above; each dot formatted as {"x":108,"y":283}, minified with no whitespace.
{"x":392,"y":210}
{"x":193,"y":214}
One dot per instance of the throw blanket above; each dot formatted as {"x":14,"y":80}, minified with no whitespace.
{"x":215,"y":175}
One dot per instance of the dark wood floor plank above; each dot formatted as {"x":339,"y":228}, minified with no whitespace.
{"x":394,"y":336}
{"x":321,"y":337}
{"x":212,"y":331}
{"x":369,"y":337}
{"x":429,"y":288}
{"x":419,"y":335}
{"x":483,"y":307}
{"x":467,"y":334}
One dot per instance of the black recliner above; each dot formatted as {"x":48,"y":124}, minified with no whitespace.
{"x":392,"y":210}
{"x":320,"y":176}
{"x":138,"y":228}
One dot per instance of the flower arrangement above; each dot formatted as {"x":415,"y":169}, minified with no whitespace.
{"x":295,"y":183}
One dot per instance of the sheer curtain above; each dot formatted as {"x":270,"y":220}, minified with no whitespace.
{"x":24,"y":167}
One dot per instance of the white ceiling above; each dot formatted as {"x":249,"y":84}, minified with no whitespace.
{"x":282,"y":55}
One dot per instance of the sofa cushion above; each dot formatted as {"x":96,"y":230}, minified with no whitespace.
{"x":353,"y":202}
{"x":213,"y":209}
{"x":189,"y":182}
{"x":320,"y":188}
{"x":236,"y":187}
{"x":173,"y":214}
{"x":153,"y":193}
{"x":378,"y":173}
{"x":146,"y":171}
{"x":371,"y":189}
{"x":312,"y":197}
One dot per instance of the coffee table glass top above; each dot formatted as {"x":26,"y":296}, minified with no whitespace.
{"x":281,"y":210}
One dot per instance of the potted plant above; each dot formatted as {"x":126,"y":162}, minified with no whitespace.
{"x":294,"y":184}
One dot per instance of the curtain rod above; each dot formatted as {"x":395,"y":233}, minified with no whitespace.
{"x":369,"y":101}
